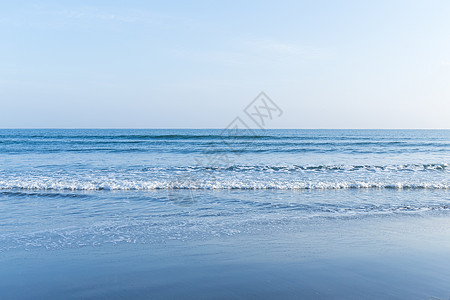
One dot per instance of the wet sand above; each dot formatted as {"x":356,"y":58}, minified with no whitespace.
{"x":395,"y":257}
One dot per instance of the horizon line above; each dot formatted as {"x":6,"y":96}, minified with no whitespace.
{"x":214,"y":128}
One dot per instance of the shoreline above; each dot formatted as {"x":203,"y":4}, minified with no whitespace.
{"x":395,"y":257}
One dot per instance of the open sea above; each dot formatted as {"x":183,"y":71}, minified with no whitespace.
{"x":157,"y":214}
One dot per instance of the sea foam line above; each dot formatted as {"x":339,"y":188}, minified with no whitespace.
{"x":124,"y":185}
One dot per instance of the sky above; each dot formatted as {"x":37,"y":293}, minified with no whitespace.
{"x":198,"y":64}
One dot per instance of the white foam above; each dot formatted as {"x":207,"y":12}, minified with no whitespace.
{"x":228,"y":183}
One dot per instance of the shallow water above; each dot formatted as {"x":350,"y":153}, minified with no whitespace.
{"x":60,"y":219}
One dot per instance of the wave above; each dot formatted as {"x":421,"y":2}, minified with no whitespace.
{"x":206,"y":145}
{"x":228,"y":135}
{"x":283,"y":177}
{"x":192,"y":184}
{"x":263,"y":140}
{"x":21,"y":194}
{"x":151,"y":136}
{"x":439,"y":167}
{"x":293,"y":168}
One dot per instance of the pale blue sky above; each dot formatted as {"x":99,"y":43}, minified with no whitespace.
{"x":197,"y":64}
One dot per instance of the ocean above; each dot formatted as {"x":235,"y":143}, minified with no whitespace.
{"x":162,"y":213}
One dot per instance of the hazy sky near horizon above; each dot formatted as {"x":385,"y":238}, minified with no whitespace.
{"x":197,"y":64}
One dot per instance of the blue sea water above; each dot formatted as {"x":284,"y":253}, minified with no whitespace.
{"x":85,"y":191}
{"x":66,"y":188}
{"x":82,"y":160}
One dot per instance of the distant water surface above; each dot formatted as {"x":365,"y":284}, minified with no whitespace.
{"x":214,"y":159}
